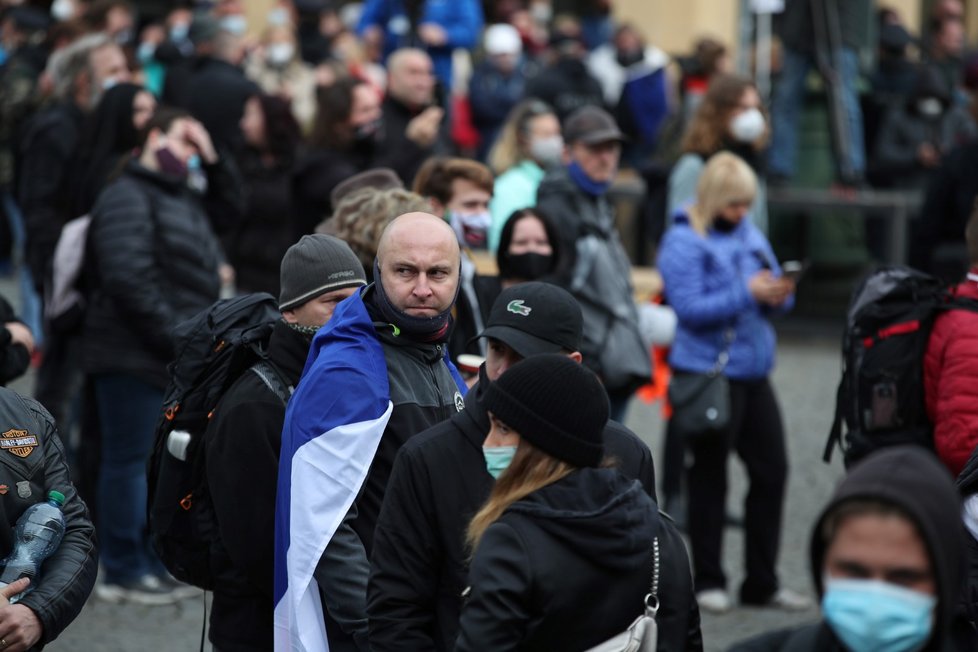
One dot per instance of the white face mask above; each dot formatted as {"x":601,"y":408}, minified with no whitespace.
{"x":929,"y":107}
{"x":547,"y":151}
{"x":472,"y":228}
{"x":279,"y":16}
{"x":279,"y":54}
{"x":748,"y":126}
{"x":62,"y":10}
{"x":236,"y":24}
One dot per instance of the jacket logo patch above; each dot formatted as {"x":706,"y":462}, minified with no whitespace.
{"x":18,"y":442}
{"x":24,"y":489}
{"x":459,"y":402}
{"x":517,"y":308}
{"x":4,"y":489}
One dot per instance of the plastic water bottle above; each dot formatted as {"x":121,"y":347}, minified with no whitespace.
{"x":38,"y":533}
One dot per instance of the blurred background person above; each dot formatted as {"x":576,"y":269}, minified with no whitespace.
{"x":634,"y":77}
{"x":278,"y":69}
{"x":528,"y":249}
{"x":723,"y":280}
{"x":731,"y":119}
{"x":435,"y":26}
{"x":345,"y":140}
{"x":153,"y":263}
{"x":256,"y":244}
{"x":497,"y":84}
{"x":565,"y":83}
{"x":529,"y":144}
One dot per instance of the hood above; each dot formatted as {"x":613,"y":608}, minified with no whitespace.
{"x":913,"y":480}
{"x":598,"y":511}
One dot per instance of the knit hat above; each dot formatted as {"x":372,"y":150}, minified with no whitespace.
{"x":315,"y":265}
{"x":554,"y":403}
{"x":535,"y":317}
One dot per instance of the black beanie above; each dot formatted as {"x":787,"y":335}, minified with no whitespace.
{"x":554,"y":403}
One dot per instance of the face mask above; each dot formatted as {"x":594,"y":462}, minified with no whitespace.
{"x":169,"y":164}
{"x":124,"y":37}
{"x":278,"y":17}
{"x":62,"y":10}
{"x":929,"y":107}
{"x":748,"y":126}
{"x":109,"y":83}
{"x":526,"y":267}
{"x":179,"y":31}
{"x":629,"y":58}
{"x":146,"y":51}
{"x":279,"y":54}
{"x":547,"y":151}
{"x":235,"y":24}
{"x":367,"y":133}
{"x":878,"y":616}
{"x":586,"y":183}
{"x":471,"y":229}
{"x":498,"y":459}
{"x":724,"y":225}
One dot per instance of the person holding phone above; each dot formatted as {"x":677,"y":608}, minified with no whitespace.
{"x":724,"y":282}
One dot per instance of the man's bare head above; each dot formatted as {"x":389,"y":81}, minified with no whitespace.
{"x":419,"y":260}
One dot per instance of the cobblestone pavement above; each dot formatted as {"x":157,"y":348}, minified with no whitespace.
{"x":805,"y":382}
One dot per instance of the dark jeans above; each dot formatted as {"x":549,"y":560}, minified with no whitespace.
{"x":756,"y":434}
{"x":128,"y":409}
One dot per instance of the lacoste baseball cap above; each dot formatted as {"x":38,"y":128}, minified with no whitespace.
{"x":535,"y":317}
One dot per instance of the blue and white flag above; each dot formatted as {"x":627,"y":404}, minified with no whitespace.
{"x":333,"y":426}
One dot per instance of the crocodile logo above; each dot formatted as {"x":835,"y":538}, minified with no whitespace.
{"x":517,"y":308}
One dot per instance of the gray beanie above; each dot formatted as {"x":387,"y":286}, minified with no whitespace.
{"x":315,"y":265}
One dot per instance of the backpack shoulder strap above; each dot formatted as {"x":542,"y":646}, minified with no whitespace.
{"x":269,"y":374}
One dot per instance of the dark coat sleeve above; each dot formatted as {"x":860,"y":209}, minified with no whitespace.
{"x":122,"y":238}
{"x":403,"y":576}
{"x":632,"y":456}
{"x":496,"y":614}
{"x":342,"y":577}
{"x":69,"y":574}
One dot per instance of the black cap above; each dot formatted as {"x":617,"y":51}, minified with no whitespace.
{"x":591,"y":125}
{"x":555,"y":404}
{"x":535,"y":317}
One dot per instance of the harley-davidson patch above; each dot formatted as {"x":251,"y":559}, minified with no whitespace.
{"x":18,"y":442}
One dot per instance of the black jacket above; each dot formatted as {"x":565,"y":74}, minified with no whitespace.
{"x":948,"y":203}
{"x":257,"y":243}
{"x":317,"y":173}
{"x":152,"y":260}
{"x":216,"y":95}
{"x":27,"y":474}
{"x":419,"y":562}
{"x":49,"y":141}
{"x":915,"y":482}
{"x":242,"y":456}
{"x":14,"y":358}
{"x":400,"y":153}
{"x":568,"y":567}
{"x":566,"y":86}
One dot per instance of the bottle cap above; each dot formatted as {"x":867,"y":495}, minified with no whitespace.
{"x":57,"y":497}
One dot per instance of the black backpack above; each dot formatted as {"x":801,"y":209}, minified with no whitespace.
{"x":881,"y":395}
{"x":214,"y":348}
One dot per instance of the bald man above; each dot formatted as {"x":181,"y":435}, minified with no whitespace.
{"x":376,"y":375}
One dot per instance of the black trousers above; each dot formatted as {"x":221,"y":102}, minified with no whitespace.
{"x":756,"y":433}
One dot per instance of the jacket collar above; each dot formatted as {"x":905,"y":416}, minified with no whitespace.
{"x":288,"y":350}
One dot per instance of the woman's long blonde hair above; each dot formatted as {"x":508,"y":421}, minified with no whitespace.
{"x":725,"y":180}
{"x":512,"y":142}
{"x":530,"y":470}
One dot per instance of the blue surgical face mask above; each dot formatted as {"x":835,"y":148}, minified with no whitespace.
{"x":878,"y":616}
{"x":498,"y":458}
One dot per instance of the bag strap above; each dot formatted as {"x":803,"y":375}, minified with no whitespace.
{"x":269,"y":375}
{"x":724,"y":356}
{"x":652,"y":597}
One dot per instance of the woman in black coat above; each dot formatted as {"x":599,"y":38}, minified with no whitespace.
{"x":563,"y":549}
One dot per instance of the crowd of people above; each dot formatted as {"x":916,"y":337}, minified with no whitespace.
{"x":441,"y":448}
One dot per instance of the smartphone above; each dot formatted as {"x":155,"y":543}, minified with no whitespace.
{"x":794,"y":269}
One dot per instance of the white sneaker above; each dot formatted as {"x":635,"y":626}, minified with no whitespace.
{"x":147,"y":590}
{"x":714,"y":601}
{"x":789,"y":600}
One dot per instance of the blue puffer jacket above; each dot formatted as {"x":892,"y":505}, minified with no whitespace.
{"x":706,"y":284}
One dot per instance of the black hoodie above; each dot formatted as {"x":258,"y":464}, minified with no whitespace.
{"x":914,"y":481}
{"x":565,"y":568}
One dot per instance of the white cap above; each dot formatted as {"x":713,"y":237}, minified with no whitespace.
{"x":503,"y":38}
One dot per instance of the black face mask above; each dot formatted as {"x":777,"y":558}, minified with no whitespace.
{"x":525,"y":267}
{"x":627,"y":58}
{"x":723,"y":225}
